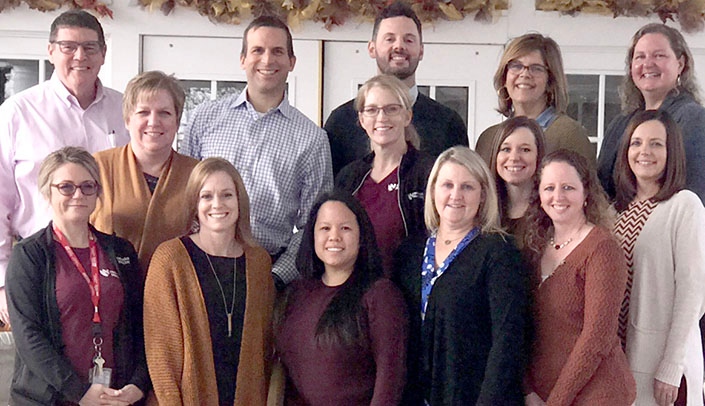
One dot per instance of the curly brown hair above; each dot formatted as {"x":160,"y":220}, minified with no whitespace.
{"x":539,"y":225}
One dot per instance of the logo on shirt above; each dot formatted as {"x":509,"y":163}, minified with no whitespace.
{"x":123,"y":260}
{"x":392,"y":187}
{"x":107,"y":272}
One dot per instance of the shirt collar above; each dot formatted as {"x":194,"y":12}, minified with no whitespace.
{"x":70,"y":99}
{"x":414,"y":93}
{"x":284,"y":107}
{"x":546,"y":117}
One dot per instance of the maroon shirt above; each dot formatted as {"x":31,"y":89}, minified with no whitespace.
{"x":337,"y":374}
{"x":381,"y":202}
{"x":73,"y":297}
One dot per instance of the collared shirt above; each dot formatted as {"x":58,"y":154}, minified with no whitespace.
{"x":283,"y":158}
{"x":546,"y":117}
{"x":414,"y":93}
{"x":33,"y":124}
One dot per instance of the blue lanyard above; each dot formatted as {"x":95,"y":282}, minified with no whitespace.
{"x":429,"y":273}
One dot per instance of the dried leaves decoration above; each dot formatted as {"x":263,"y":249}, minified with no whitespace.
{"x":689,"y":13}
{"x":50,"y":5}
{"x":328,"y":12}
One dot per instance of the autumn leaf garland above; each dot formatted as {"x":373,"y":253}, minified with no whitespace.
{"x":689,"y":13}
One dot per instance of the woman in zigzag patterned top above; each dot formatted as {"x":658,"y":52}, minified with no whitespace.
{"x":660,"y":227}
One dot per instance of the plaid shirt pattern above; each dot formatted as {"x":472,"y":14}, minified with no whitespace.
{"x":283,"y":158}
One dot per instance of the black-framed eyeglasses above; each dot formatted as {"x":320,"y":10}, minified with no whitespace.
{"x":70,"y":47}
{"x":389,"y":110}
{"x":516,"y":68}
{"x":88,"y":188}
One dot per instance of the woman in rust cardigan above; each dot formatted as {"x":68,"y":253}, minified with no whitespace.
{"x":581,"y":275}
{"x":209,"y":300}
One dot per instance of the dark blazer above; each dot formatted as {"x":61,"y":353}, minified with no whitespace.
{"x":43,"y":375}
{"x":438,"y":126}
{"x":471,"y":348}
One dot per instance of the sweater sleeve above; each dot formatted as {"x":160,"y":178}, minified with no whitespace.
{"x":29,"y":325}
{"x":388,"y":323}
{"x":605,"y":279}
{"x":688,"y":244}
{"x":692,"y":123}
{"x":163,"y":331}
{"x":508,"y":292}
{"x":140,"y":374}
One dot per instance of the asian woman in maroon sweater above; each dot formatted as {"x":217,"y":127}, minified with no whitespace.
{"x":342,"y":335}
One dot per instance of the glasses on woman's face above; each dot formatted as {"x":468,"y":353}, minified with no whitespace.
{"x":88,"y":188}
{"x":516,"y":67}
{"x":389,"y":110}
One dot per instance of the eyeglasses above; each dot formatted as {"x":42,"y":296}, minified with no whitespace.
{"x":518,"y":67}
{"x":88,"y":188}
{"x":70,"y":47}
{"x":389,"y":110}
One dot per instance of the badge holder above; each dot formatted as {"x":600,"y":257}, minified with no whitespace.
{"x":98,"y":374}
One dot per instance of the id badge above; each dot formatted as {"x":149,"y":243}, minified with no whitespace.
{"x":100,"y":377}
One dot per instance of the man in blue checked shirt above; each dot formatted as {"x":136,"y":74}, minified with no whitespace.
{"x":282,"y":156}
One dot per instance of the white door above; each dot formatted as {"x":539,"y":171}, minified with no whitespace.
{"x":457,"y":75}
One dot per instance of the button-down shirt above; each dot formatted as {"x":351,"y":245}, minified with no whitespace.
{"x":283,"y":158}
{"x":33,"y":124}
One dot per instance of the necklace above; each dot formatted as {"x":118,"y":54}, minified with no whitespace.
{"x":447,"y":242}
{"x":552,"y":242}
{"x":222,"y":293}
{"x":561,"y":245}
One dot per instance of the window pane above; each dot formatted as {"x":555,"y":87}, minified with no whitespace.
{"x":48,"y":70}
{"x":456,"y":98}
{"x":584,"y":97}
{"x":612,"y":101}
{"x":20,"y":74}
{"x":425,"y":90}
{"x":229,"y":88}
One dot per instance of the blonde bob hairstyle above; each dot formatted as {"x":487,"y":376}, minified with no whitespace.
{"x":206,"y":168}
{"x":146,"y":85}
{"x":556,"y":83}
{"x":61,"y":157}
{"x":488,"y":212}
{"x":397,"y":88}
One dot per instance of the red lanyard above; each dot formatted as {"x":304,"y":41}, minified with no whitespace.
{"x":94,"y":283}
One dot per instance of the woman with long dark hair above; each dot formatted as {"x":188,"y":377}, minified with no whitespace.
{"x":342,"y":336}
{"x":660,"y":228}
{"x":518,"y":148}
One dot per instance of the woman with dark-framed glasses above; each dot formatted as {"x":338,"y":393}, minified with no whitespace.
{"x":391,"y":180}
{"x":530,"y":82}
{"x":74,"y":299}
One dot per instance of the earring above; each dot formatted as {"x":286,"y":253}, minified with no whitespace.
{"x":501,"y":96}
{"x":678,"y":81}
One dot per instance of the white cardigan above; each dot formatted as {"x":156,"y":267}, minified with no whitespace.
{"x":668,"y":297}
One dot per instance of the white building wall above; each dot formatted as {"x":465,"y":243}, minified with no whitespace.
{"x":590,"y":43}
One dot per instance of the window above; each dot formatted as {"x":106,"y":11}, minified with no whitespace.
{"x":594,"y":102}
{"x":199,"y":91}
{"x":17,"y":75}
{"x":454,"y":97}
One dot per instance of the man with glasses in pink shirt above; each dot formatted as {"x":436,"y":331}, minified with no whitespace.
{"x":72,"y":108}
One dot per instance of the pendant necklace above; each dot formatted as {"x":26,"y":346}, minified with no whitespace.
{"x":222,"y":293}
{"x":561,"y":245}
